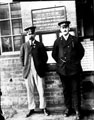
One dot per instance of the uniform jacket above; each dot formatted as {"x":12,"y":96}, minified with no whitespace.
{"x":68,"y":55}
{"x":39,"y":56}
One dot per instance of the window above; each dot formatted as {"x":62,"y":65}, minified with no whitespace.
{"x":10,"y":27}
{"x":5,"y":28}
{"x":48,"y":39}
{"x":4,"y":11}
{"x":6,"y":44}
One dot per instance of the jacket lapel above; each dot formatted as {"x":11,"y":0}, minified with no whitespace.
{"x":28,"y":50}
{"x":70,"y":39}
{"x":66,"y":43}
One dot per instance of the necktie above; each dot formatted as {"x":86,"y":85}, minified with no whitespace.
{"x":30,"y":50}
{"x":32,"y":46}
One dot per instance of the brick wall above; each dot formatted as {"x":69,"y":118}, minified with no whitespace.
{"x":14,"y":90}
{"x":12,"y":83}
{"x":10,"y":74}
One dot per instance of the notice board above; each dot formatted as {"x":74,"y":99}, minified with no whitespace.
{"x":88,"y":59}
{"x":46,"y":19}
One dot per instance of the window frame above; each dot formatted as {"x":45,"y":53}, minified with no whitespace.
{"x":11,"y":19}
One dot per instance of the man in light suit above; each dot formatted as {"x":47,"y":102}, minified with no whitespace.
{"x":33,"y":57}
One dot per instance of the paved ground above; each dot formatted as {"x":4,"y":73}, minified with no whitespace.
{"x":21,"y":116}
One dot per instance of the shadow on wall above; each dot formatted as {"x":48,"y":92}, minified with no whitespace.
{"x":1,"y":114}
{"x":87,"y":86}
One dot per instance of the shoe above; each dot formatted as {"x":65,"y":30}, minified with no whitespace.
{"x":78,"y":115}
{"x":30,"y":113}
{"x":45,"y":112}
{"x":69,"y":112}
{"x":2,"y":117}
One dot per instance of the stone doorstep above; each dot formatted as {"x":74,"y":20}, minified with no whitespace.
{"x":10,"y":113}
{"x":21,"y":116}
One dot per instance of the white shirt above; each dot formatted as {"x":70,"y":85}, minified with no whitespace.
{"x":65,"y":37}
{"x":31,"y":42}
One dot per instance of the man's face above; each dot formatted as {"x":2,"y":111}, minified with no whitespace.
{"x":30,"y":34}
{"x":64,"y":29}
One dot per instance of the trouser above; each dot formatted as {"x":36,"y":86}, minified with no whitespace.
{"x":71,"y":90}
{"x":32,"y":80}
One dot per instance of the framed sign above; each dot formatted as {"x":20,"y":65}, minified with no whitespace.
{"x":88,"y":59}
{"x":46,"y":19}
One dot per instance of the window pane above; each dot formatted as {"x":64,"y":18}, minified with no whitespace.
{"x":15,"y":10}
{"x":50,"y":59}
{"x":6,"y":44}
{"x":5,"y":28}
{"x":17,"y":26}
{"x":37,"y":37}
{"x":17,"y":43}
{"x":48,"y":39}
{"x":4,"y":11}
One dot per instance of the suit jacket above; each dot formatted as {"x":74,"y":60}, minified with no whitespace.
{"x":68,"y":55}
{"x":39,"y":56}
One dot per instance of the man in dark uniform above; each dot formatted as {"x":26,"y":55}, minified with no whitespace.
{"x":68,"y":52}
{"x":33,"y":57}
